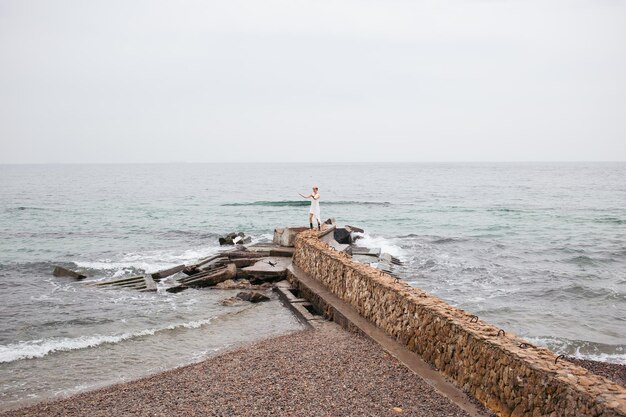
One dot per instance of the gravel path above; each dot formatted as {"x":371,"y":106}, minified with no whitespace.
{"x":327,"y":372}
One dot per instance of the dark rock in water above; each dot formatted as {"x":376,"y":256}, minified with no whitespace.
{"x":230,"y":284}
{"x":231,"y":301}
{"x":354,"y":229}
{"x":234,"y":239}
{"x":60,"y":271}
{"x":257,"y":297}
{"x":342,"y":236}
{"x":245,"y":296}
{"x":253,"y":297}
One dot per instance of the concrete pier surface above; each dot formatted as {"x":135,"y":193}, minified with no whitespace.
{"x":322,"y":372}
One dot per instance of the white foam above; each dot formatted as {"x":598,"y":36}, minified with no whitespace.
{"x":385,"y":245}
{"x":564,"y":346}
{"x":41,"y":348}
{"x":149,"y":261}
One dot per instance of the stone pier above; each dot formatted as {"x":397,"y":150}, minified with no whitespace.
{"x":506,"y":373}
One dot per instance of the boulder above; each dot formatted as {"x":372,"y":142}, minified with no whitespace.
{"x":354,"y":229}
{"x":60,"y":271}
{"x":233,"y":239}
{"x":231,"y":301}
{"x":225,"y":241}
{"x":342,"y":236}
{"x":231,"y":284}
{"x":253,"y":297}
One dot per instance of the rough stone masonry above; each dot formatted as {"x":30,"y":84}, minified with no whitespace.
{"x":506,"y":373}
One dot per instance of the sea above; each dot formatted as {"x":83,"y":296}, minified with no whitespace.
{"x":537,"y":249}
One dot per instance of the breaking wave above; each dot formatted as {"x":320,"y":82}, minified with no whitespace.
{"x":40,"y":348}
{"x":385,"y":245}
{"x":582,"y":349}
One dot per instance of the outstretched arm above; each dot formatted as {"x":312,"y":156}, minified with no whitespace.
{"x":305,"y":196}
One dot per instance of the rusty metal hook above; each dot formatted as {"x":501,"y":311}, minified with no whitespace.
{"x":559,"y":357}
{"x":474,"y":319}
{"x":525,"y":345}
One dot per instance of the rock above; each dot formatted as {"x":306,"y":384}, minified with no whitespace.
{"x":60,"y":271}
{"x":245,"y":296}
{"x":342,"y":236}
{"x":253,"y":297}
{"x":231,"y":301}
{"x":233,"y":239}
{"x":330,"y":220}
{"x":225,"y":241}
{"x":354,"y":229}
{"x":230,"y":284}
{"x":286,"y":236}
{"x":257,"y":297}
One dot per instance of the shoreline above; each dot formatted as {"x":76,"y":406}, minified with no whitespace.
{"x":219,"y":385}
{"x":327,"y":371}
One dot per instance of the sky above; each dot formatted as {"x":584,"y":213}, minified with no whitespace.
{"x":312,"y":81}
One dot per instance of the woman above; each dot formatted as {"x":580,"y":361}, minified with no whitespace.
{"x":315,"y":207}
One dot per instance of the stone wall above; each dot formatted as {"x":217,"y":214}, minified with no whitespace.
{"x":504,"y":372}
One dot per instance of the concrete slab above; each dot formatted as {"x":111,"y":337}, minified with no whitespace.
{"x":365,"y":259}
{"x":361,"y":250}
{"x":267,"y":269}
{"x":286,"y":236}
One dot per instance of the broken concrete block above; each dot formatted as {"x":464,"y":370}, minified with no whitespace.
{"x":286,"y":236}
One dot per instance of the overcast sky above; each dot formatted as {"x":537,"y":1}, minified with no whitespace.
{"x":312,"y":80}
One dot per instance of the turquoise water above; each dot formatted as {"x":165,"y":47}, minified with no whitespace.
{"x":537,"y":249}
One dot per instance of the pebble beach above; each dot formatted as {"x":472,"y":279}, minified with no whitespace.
{"x":326,"y":372}
{"x":323,"y":372}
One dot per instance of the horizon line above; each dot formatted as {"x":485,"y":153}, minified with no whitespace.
{"x":319,"y":162}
